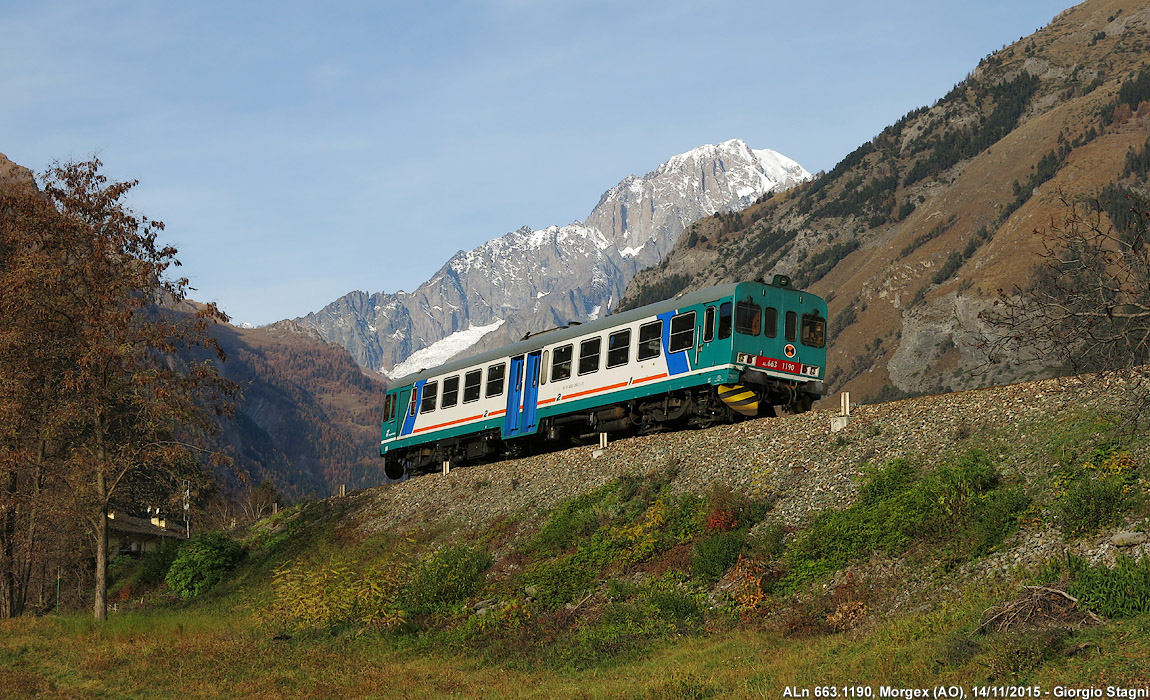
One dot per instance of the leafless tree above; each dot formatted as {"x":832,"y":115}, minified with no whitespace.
{"x":1086,"y":308}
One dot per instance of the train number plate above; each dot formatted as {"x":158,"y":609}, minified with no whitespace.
{"x":777,"y":365}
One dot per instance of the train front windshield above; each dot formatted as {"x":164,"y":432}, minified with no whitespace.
{"x":814,"y":331}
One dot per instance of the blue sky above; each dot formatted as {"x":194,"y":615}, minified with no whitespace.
{"x":301,"y":150}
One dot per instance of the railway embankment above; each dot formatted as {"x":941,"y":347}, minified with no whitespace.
{"x":796,"y":460}
{"x":1036,"y":435}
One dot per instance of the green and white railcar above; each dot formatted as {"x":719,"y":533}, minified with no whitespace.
{"x":716,"y":355}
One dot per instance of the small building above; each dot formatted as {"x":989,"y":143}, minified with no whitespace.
{"x":136,"y":536}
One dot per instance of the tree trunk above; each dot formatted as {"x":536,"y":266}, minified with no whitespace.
{"x":24,"y":573}
{"x":100,"y":609}
{"x":8,"y":554}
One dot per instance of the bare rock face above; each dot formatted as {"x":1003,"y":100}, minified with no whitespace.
{"x":529,"y":280}
{"x":13,"y":172}
{"x":644,"y":216}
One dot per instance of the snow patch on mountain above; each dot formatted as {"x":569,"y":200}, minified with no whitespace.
{"x":441,"y":350}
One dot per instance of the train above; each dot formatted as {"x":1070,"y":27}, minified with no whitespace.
{"x":717,"y":355}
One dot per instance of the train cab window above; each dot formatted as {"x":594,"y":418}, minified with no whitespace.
{"x":495,"y":375}
{"x":618,"y":348}
{"x":814,"y":331}
{"x":561,"y":369}
{"x":792,"y":326}
{"x":471,"y":383}
{"x":387,"y":409}
{"x":650,"y":335}
{"x":430,"y":393}
{"x":725,"y":320}
{"x":771,"y":327}
{"x":748,"y":318}
{"x":709,"y":325}
{"x":589,"y":355}
{"x":450,"y":392}
{"x":682,"y":332}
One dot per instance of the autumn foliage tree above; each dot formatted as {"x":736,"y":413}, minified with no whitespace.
{"x":107,"y":379}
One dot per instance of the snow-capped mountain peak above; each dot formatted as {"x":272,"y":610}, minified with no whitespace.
{"x":529,"y":280}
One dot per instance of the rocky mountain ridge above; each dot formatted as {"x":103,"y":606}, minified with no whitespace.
{"x":529,"y":280}
{"x":913,"y":234}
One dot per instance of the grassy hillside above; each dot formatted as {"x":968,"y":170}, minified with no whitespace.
{"x":937,"y":540}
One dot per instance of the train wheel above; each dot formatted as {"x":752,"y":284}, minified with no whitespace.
{"x":395,"y":468}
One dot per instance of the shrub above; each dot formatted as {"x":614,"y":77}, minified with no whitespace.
{"x":716,"y":553}
{"x":1016,"y":656}
{"x":572,"y":520}
{"x":1095,"y":494}
{"x":960,"y":507}
{"x":336,"y":593}
{"x":1090,"y":504}
{"x":628,"y":521}
{"x":444,"y":579}
{"x":155,"y":565}
{"x":634,"y":617}
{"x":1123,"y":591}
{"x":201,"y":563}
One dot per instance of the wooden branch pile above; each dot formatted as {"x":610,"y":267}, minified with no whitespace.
{"x":1037,"y":607}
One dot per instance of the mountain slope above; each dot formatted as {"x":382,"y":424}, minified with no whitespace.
{"x":913,"y":233}
{"x":309,"y":417}
{"x":530,"y":280}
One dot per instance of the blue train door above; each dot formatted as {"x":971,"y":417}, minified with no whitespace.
{"x":523,"y":396}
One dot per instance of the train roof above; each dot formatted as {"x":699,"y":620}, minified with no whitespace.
{"x":549,"y":337}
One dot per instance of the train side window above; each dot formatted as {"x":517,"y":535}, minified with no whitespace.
{"x":471,"y":383}
{"x":814,"y":331}
{"x":411,"y":404}
{"x":748,"y":318}
{"x":682,"y":332}
{"x":387,"y":408}
{"x":589,"y":355}
{"x":561,"y":369}
{"x":792,"y":325}
{"x":618,"y":348}
{"x":771,"y":327}
{"x":650,"y":336}
{"x":495,"y":375}
{"x":543,"y":366}
{"x":725,"y":320}
{"x":709,"y":325}
{"x":430,"y":393}
{"x":450,"y":392}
